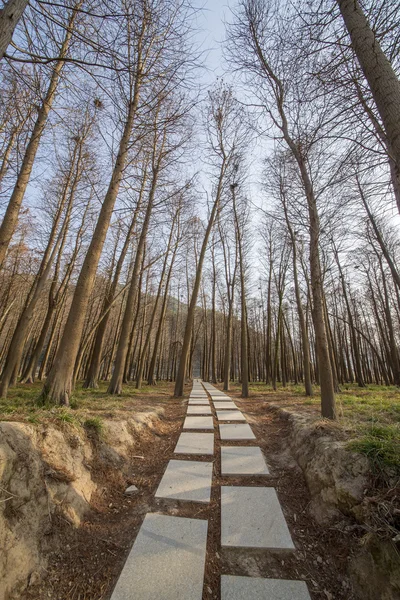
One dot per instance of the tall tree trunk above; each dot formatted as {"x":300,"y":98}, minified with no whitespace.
{"x":353,"y":337}
{"x":9,"y":17}
{"x":10,"y":218}
{"x":92,"y":376}
{"x":150,"y":373}
{"x":58,"y":386}
{"x":181,"y":374}
{"x":244,"y":349}
{"x":378,"y":71}
{"x":300,"y":312}
{"x":213,"y":325}
{"x":116,"y":382}
{"x":139,"y":374}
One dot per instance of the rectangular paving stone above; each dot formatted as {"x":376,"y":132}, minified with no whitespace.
{"x":166,"y":561}
{"x":242,"y":460}
{"x":230,"y":415}
{"x":199,"y":410}
{"x":198,"y":423}
{"x":195,"y":443}
{"x":186,"y":480}
{"x":236,"y":431}
{"x":199,"y":401}
{"x":251,"y":517}
{"x":219,"y":405}
{"x":256,"y":588}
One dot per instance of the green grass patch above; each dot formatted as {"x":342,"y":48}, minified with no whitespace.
{"x":94,"y":425}
{"x":381,"y":444}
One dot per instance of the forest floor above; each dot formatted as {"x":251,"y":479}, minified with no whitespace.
{"x":369,"y":417}
{"x":92,"y":556}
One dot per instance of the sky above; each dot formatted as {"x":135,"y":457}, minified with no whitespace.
{"x":212,"y":34}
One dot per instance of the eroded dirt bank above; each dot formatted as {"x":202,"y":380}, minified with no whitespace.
{"x":343,"y":514}
{"x":60,"y":489}
{"x":67,"y":526}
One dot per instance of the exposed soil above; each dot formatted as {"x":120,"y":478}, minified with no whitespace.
{"x":323,"y":553}
{"x":93,"y":555}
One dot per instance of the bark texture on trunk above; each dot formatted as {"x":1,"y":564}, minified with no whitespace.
{"x":9,"y":17}
{"x":117,"y":378}
{"x":10,"y":218}
{"x":58,"y":386}
{"x":378,"y":71}
{"x":181,"y":374}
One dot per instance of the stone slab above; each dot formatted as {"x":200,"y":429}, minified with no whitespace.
{"x":199,"y":410}
{"x":224,"y":405}
{"x":186,"y":480}
{"x":230,"y":415}
{"x":195,"y":443}
{"x":166,"y":561}
{"x":198,"y":401}
{"x":236,"y":431}
{"x":194,"y":422}
{"x":256,"y":588}
{"x":251,"y":517}
{"x":242,"y":460}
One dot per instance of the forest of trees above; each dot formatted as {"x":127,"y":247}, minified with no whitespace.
{"x":153,"y":229}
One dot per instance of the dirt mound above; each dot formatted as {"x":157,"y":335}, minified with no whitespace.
{"x":47,"y":474}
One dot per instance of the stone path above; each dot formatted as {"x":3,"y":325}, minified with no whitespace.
{"x":166,"y":561}
{"x":168,"y":558}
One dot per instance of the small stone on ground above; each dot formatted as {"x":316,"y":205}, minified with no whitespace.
{"x":219,"y":405}
{"x":199,"y":401}
{"x":131,"y":489}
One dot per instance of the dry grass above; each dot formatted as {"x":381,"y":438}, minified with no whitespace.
{"x":87,"y":406}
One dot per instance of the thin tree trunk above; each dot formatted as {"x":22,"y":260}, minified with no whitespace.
{"x":92,"y":376}
{"x":58,"y":386}
{"x":116,"y":382}
{"x":300,"y":312}
{"x":10,"y":218}
{"x":180,"y":377}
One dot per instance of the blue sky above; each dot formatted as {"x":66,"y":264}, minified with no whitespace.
{"x":212,"y":33}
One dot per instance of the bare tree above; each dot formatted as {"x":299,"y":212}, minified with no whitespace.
{"x":255,"y":47}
